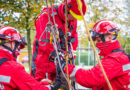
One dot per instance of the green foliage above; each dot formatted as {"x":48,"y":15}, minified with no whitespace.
{"x":21,"y":15}
{"x":16,"y":13}
{"x":125,"y":43}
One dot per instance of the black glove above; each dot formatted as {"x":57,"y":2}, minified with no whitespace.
{"x":52,"y":57}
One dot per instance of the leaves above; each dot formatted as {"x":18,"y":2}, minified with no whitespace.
{"x":20,"y":14}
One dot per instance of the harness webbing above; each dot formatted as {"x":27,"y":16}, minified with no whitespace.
{"x":3,"y":60}
{"x":118,"y":49}
{"x":34,"y":57}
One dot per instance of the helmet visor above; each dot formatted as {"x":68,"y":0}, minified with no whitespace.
{"x":23,"y":42}
{"x":94,"y":35}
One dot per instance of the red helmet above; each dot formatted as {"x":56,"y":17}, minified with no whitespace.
{"x":11,"y":34}
{"x":74,"y":9}
{"x":103,"y":27}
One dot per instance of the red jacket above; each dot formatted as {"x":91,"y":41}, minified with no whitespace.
{"x":113,"y":64}
{"x":41,"y":60}
{"x":13,"y":75}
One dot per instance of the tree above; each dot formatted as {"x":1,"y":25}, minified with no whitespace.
{"x":21,"y":15}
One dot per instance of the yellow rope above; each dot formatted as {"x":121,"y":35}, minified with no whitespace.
{"x":99,"y":62}
{"x":66,"y":44}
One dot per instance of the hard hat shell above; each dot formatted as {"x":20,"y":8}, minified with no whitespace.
{"x":11,"y":34}
{"x":75,"y":10}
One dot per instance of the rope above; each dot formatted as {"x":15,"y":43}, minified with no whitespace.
{"x":100,"y":64}
{"x":46,"y":28}
{"x":41,"y":37}
{"x":56,"y":39}
{"x":66,"y":44}
{"x":48,"y":12}
{"x":55,"y":43}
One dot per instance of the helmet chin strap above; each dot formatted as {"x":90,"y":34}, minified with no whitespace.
{"x":102,"y":37}
{"x":13,"y":51}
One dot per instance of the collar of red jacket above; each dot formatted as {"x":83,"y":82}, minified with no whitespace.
{"x":106,"y":48}
{"x":6,"y":54}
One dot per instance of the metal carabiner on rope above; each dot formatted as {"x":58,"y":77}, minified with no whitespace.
{"x":56,"y":40}
{"x":47,"y":29}
{"x":44,"y":40}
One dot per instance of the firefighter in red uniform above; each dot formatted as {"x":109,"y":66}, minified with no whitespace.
{"x":12,"y":74}
{"x":42,"y":67}
{"x":115,"y":61}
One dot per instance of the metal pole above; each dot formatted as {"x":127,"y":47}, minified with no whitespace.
{"x":88,"y":53}
{"x":79,"y":55}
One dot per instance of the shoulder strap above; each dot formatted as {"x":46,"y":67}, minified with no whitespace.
{"x":128,"y":56}
{"x":56,"y":7}
{"x":3,"y":60}
{"x":33,"y":70}
{"x":118,"y":49}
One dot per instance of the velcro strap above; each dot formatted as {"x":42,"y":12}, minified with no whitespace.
{"x":126,"y":67}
